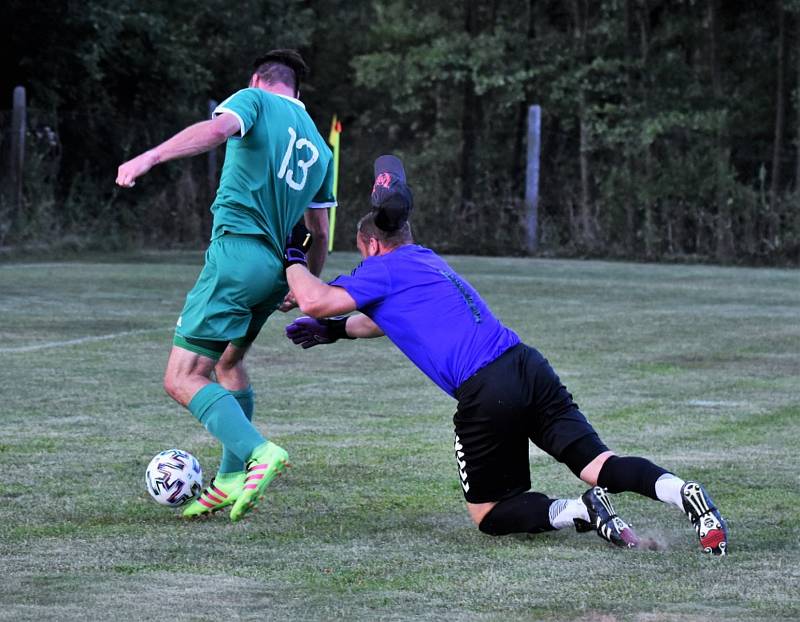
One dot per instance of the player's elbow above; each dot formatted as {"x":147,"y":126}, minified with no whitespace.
{"x":218,"y":135}
{"x":311,"y":306}
{"x":313,"y":301}
{"x":316,"y":298}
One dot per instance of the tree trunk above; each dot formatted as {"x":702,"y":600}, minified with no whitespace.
{"x":586,"y":200}
{"x":629,"y":206}
{"x":580,"y":14}
{"x":469,"y":126}
{"x":797,"y":60}
{"x":471,"y":115}
{"x":517,"y":157}
{"x":646,"y":158}
{"x":780,"y":111}
{"x":723,"y":239}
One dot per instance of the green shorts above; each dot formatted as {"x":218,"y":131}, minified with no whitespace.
{"x":241,"y":284}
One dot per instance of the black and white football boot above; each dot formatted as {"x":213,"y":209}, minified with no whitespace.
{"x":604,"y":520}
{"x":708,"y":522}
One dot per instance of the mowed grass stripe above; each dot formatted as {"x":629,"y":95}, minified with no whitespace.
{"x":47,"y":345}
{"x":693,"y":366}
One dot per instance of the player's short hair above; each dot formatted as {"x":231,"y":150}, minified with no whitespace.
{"x":368,"y":229}
{"x":282,"y":66}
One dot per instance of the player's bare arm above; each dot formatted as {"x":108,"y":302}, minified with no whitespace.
{"x":315,"y":297}
{"x":316,"y":220}
{"x":360,"y":326}
{"x":193,"y":140}
{"x":308,"y":332}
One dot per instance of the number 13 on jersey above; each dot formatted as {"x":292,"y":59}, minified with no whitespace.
{"x":303,"y":165}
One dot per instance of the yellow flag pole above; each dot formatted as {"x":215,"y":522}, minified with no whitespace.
{"x":333,"y":140}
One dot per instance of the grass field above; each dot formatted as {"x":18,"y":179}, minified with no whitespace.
{"x":696,"y":367}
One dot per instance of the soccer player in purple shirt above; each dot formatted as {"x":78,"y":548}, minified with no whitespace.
{"x":507,"y":392}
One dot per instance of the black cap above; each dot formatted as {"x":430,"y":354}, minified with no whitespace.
{"x":392,"y":200}
{"x":288,"y":57}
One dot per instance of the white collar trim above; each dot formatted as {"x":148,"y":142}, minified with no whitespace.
{"x":292,"y":99}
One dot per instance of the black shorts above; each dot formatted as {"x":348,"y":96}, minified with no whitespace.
{"x":515,"y":398}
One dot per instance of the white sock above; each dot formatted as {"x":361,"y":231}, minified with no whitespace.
{"x":563,"y":511}
{"x":668,"y":490}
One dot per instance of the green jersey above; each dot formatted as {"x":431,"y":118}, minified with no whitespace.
{"x":277,"y":166}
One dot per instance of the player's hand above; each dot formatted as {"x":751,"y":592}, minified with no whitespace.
{"x":297,"y":245}
{"x":138,"y":166}
{"x":289,"y":303}
{"x":308,"y":332}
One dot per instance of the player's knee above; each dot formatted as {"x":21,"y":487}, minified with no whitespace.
{"x":477,"y":511}
{"x":486,"y":526}
{"x":591,"y":472}
{"x":528,"y":512}
{"x":487,"y":531}
{"x":585,"y":456}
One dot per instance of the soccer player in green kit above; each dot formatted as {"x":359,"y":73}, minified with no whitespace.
{"x":278,"y":170}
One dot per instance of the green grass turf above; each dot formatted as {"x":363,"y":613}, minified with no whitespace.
{"x":696,"y":367}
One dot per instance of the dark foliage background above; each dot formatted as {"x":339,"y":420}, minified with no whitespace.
{"x":670,"y":128}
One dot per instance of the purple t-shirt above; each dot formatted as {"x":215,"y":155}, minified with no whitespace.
{"x":433,"y":315}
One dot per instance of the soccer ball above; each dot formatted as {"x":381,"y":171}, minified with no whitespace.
{"x":173,"y":477}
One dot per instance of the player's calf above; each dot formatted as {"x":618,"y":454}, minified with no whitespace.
{"x":525,"y":513}
{"x":533,"y":512}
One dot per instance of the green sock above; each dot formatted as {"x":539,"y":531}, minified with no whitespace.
{"x":230,"y":462}
{"x":221,"y":415}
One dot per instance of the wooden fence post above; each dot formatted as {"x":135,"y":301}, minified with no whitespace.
{"x":532,"y":178}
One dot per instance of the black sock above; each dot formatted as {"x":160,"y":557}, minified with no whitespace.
{"x":630,"y":474}
{"x":525,"y":513}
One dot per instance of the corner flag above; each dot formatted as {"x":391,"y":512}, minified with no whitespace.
{"x":333,"y":140}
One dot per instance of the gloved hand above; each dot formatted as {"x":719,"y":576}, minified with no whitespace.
{"x":297,"y":245}
{"x":308,"y":332}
